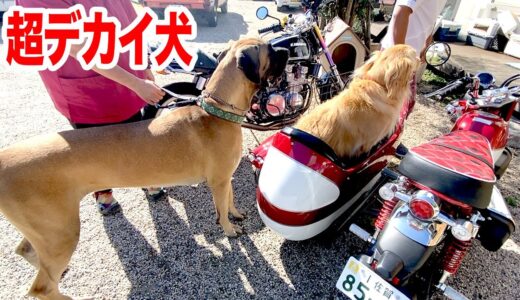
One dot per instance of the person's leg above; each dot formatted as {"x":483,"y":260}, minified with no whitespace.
{"x":153,"y":193}
{"x":106,"y":203}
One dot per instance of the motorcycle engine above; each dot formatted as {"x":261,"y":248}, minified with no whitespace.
{"x":285,"y":98}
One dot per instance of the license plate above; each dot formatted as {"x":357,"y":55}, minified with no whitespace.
{"x":358,"y":282}
{"x":295,"y":0}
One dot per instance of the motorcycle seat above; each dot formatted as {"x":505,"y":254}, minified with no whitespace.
{"x":458,"y":165}
{"x":322,"y":148}
{"x":205,"y":64}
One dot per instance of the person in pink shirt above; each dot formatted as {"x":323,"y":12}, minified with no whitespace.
{"x":99,"y":97}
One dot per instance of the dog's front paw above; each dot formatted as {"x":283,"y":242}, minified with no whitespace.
{"x":238,"y":214}
{"x":233,"y":230}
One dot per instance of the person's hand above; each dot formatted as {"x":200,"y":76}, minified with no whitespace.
{"x":148,"y":91}
{"x":148,"y":74}
{"x":422,"y":56}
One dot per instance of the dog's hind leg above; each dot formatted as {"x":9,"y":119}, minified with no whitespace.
{"x":54,"y":247}
{"x":221,"y":191}
{"x":236,"y":213}
{"x":26,"y":250}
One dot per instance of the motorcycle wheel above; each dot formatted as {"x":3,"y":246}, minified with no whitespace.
{"x":327,"y":88}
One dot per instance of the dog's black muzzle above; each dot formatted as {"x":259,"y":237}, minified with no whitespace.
{"x":278,"y":58}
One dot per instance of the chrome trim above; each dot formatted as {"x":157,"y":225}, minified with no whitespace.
{"x":463,"y":230}
{"x":403,"y":197}
{"x":446,"y":220}
{"x":387,"y":191}
{"x":424,"y":233}
{"x":498,"y":204}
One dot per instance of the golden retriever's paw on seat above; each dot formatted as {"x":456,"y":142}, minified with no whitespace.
{"x":368,"y":110}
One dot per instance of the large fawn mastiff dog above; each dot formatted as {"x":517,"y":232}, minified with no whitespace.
{"x":43,"y":179}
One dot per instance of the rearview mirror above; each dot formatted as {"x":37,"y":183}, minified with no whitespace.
{"x":438,"y":54}
{"x":262,"y":12}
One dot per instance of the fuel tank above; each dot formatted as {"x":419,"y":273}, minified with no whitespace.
{"x":494,"y":128}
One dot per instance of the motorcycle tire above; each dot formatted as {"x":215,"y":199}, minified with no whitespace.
{"x":213,"y":17}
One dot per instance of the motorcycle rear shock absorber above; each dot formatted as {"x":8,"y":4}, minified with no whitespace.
{"x":385,"y":212}
{"x":455,"y":250}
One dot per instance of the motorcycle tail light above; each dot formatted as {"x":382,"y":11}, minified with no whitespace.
{"x":275,"y":105}
{"x":424,"y":205}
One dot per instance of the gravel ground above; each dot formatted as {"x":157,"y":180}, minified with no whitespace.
{"x":172,"y":249}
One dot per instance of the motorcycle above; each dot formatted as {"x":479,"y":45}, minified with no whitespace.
{"x":280,"y":103}
{"x":442,"y":193}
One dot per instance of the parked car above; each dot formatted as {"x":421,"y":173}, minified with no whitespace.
{"x":208,"y":8}
{"x":284,"y":4}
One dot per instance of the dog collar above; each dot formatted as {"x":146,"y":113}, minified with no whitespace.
{"x":219,"y":113}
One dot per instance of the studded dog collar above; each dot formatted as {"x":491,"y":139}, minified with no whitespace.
{"x":219,"y":113}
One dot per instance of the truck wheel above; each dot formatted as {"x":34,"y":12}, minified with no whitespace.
{"x":279,"y":8}
{"x":223,"y":8}
{"x":212,"y":17}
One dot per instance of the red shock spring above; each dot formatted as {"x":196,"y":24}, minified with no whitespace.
{"x":385,"y":212}
{"x":455,"y":252}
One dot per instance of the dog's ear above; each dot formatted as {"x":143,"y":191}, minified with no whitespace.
{"x":248,"y":60}
{"x":397,"y":76}
{"x":361,"y":71}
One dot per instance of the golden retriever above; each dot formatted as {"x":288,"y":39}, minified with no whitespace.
{"x":367,"y":111}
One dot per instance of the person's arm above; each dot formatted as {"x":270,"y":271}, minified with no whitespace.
{"x":401,"y":17}
{"x":144,"y":88}
{"x":427,"y":43}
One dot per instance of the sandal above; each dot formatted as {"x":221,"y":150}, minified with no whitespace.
{"x":109,"y":208}
{"x":153,"y":194}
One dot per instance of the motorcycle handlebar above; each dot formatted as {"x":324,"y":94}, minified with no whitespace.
{"x":274,"y":28}
{"x":449,"y":87}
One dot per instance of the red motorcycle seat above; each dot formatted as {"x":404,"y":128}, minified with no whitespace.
{"x":458,"y":165}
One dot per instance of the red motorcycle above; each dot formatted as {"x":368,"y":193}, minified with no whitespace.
{"x":442,"y":193}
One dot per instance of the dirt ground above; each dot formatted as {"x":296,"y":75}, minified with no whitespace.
{"x":172,"y":249}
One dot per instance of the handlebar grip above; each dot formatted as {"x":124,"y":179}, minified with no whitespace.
{"x":267,"y":29}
